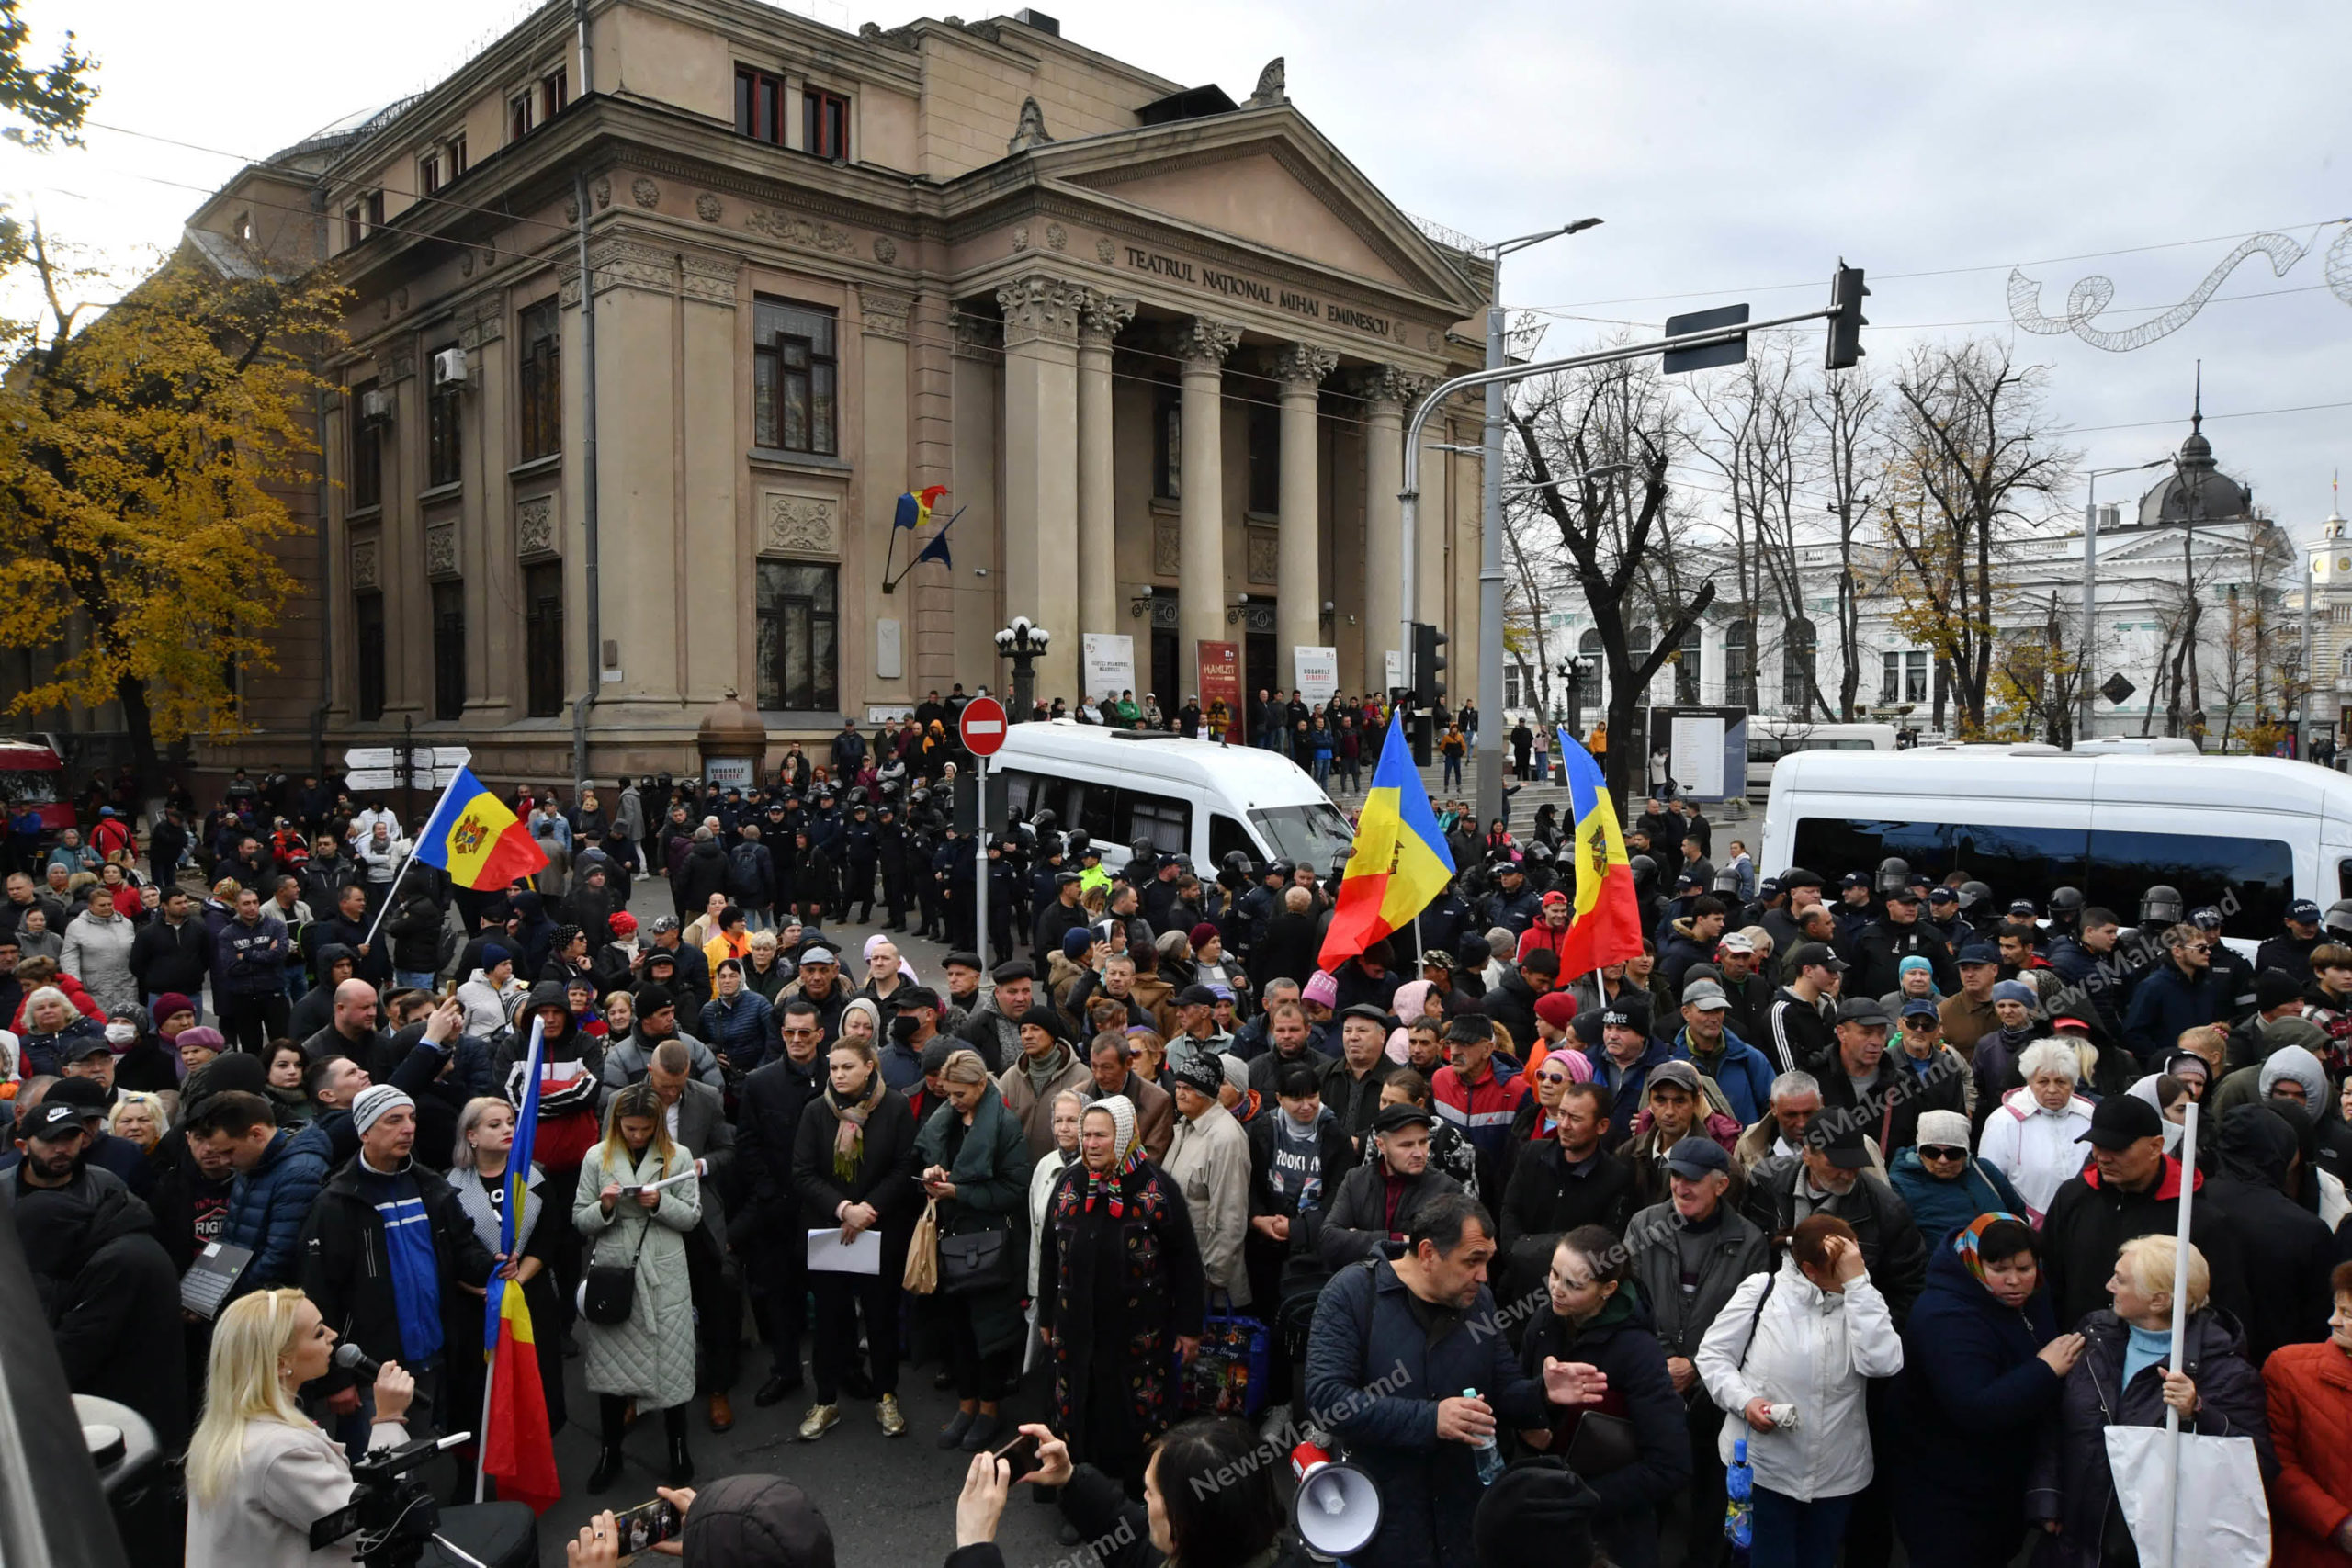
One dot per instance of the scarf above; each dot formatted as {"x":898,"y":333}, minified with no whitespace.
{"x":1967,"y":1241}
{"x":849,"y":1133}
{"x":1112,"y":1184}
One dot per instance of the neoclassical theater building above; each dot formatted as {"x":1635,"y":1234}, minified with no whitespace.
{"x":1156,"y":346}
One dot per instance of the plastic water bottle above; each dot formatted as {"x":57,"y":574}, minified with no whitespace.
{"x":1739,"y":1512}
{"x":1490,"y":1457}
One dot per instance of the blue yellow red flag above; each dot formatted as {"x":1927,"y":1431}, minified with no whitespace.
{"x":476,"y":839}
{"x":1607,"y":924}
{"x":1400,"y":863}
{"x":914,"y":507}
{"x":517,"y":1444}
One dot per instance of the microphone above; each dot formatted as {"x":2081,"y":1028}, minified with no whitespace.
{"x":357,"y":1362}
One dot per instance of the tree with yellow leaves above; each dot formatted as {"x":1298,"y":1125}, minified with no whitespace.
{"x":140,"y":454}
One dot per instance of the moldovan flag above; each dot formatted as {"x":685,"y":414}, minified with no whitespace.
{"x":914,"y":508}
{"x":1607,"y":925}
{"x":473,"y":836}
{"x":517,"y":1448}
{"x":1400,"y":860}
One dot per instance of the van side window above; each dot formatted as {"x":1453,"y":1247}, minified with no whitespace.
{"x":1225,"y":836}
{"x":1094,"y":807}
{"x":1167,"y":823}
{"x":2344,"y":879}
{"x":1020,"y":791}
{"x":2251,"y":881}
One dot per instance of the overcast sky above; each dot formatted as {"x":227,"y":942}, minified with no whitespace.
{"x":1730,"y":146}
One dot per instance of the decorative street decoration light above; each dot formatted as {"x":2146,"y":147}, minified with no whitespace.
{"x":1024,"y":643}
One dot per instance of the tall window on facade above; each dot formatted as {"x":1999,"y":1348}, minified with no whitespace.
{"x":1798,"y":645}
{"x":543,"y":638}
{"x":428,"y":174}
{"x":519,"y":118}
{"x":443,"y":422}
{"x":1167,"y":443}
{"x":1739,"y":663}
{"x":540,"y":395}
{"x":799,"y":637}
{"x":1914,"y":676}
{"x":449,"y":649}
{"x":795,"y":378}
{"x":1890,"y":678}
{"x":824,"y":123}
{"x":369,"y":615}
{"x":1265,"y":459}
{"x":1687,"y":667}
{"x":365,"y":483}
{"x":554,"y":92}
{"x":457,"y":155}
{"x":759,"y":105}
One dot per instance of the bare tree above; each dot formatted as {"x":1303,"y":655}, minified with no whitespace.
{"x":1848,"y":453}
{"x":1756,"y":426}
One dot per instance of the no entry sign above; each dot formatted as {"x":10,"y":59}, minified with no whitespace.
{"x":982,"y":727}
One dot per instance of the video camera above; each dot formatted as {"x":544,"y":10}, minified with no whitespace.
{"x":390,"y":1508}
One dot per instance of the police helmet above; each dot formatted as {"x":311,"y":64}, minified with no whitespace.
{"x":1893,"y":874}
{"x":2161,"y":906}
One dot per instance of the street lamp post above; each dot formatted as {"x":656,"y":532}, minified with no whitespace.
{"x":1573,"y":670}
{"x":2090,"y":577}
{"x":1024,"y":643}
{"x":1490,"y":535}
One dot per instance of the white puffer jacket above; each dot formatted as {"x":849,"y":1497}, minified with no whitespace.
{"x":1814,"y":1350}
{"x":2035,"y":1147}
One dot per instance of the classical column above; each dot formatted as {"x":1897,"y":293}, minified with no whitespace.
{"x":1298,"y":610}
{"x":1041,"y":468}
{"x":1384,"y":389}
{"x":1202,"y":344}
{"x":1099,"y":322}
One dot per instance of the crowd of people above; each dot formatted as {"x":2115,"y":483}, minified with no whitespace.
{"x":1868,"y":1187}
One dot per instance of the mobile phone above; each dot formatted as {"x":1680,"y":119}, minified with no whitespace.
{"x":646,"y":1524}
{"x":1021,"y":1454}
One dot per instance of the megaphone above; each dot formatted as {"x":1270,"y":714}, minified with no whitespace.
{"x":1337,"y":1511}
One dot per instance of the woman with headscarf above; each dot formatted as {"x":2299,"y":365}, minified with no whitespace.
{"x":975,"y":1163}
{"x":1120,"y":1284}
{"x":1982,"y":1365}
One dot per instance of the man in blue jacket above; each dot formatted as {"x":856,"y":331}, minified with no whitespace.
{"x":1738,"y":1069}
{"x":2177,"y":996}
{"x":1407,"y":1364}
{"x":279,"y":1171}
{"x":1622,"y":1066}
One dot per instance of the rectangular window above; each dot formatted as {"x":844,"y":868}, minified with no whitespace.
{"x":1166,"y":441}
{"x":364,"y":485}
{"x":543,"y":637}
{"x":1890,"y":678}
{"x":799,"y":654}
{"x":518,"y":118}
{"x":443,"y":422}
{"x":428,"y":174}
{"x":354,"y":229}
{"x":374,"y":202}
{"x":795,"y":378}
{"x":449,"y":649}
{"x":824,"y":124}
{"x":759,"y":105}
{"x":369,"y":616}
{"x":457,"y":155}
{"x":553,"y":94}
{"x":1167,"y":823}
{"x":540,"y":371}
{"x":1914,"y":676}
{"x":1265,"y":437}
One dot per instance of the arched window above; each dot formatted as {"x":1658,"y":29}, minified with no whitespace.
{"x":1588,"y":686}
{"x":1799,"y":651}
{"x":1688,"y":662}
{"x":1739,"y":663}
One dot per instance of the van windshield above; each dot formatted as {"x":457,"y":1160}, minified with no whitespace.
{"x":1315,"y":834}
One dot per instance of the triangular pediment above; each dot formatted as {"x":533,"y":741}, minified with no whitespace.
{"x":1269,"y":179}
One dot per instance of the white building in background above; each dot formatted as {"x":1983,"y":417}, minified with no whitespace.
{"x":2331,"y":619}
{"x":2242,"y":567}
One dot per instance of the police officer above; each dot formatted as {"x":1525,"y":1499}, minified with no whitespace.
{"x":2290,"y":951}
{"x":1898,"y":934}
{"x":860,"y":857}
{"x":890,"y":859}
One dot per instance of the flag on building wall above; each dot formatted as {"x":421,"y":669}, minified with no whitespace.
{"x":517,"y":1448}
{"x":473,"y":836}
{"x":1400,"y":863}
{"x":914,"y":508}
{"x":1607,"y":925}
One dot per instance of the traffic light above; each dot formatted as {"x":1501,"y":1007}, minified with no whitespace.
{"x":1428,"y":685}
{"x":1846,"y":296}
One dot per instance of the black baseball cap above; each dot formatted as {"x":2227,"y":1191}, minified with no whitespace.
{"x":1391,"y":1117}
{"x":2121,"y":1121}
{"x":1202,"y":997}
{"x":2303,"y":912}
{"x":1942,"y":895}
{"x":1626,"y":1014}
{"x":1840,"y":1138}
{"x":1863,"y":1009}
{"x":1805,"y":954}
{"x":47,"y":1120}
{"x":1905,"y":893}
{"x":915,"y":996}
{"x":1854,"y":879}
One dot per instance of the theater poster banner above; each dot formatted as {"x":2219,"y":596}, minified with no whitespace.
{"x":1110,"y":665}
{"x":1318,"y":674}
{"x":1221,"y":683}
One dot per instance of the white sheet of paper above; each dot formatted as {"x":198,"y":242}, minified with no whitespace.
{"x":827,"y":1255}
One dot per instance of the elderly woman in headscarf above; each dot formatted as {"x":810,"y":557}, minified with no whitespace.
{"x":1120,"y":1283}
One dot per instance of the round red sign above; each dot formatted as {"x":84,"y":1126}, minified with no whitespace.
{"x":982,"y":727}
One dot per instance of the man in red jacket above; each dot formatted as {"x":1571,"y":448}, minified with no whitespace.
{"x":1551,"y":929}
{"x":1475,"y":1093}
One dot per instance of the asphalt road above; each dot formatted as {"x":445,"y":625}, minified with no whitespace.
{"x":891,"y":1502}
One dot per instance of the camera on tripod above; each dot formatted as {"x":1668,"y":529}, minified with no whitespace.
{"x":392,"y":1508}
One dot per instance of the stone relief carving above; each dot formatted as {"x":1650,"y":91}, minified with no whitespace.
{"x":1304,"y":362}
{"x":798,"y":524}
{"x":644,"y":192}
{"x":604,"y":194}
{"x":400,"y":300}
{"x":1021,"y":237}
{"x":1056,"y":237}
{"x":572,"y":210}
{"x":535,"y":526}
{"x":1102,"y":317}
{"x":708,"y":207}
{"x":885,"y":310}
{"x":710,"y":280}
{"x":1041,"y":307}
{"x":1201,"y":338}
{"x":1270,"y":89}
{"x":1104,"y":251}
{"x":977,"y":337}
{"x":1030,"y":132}
{"x":363,"y":573}
{"x":1167,"y":546}
{"x":441,"y":551}
{"x":1263,"y":557}
{"x":466,"y":263}
{"x":483,"y":321}
{"x":809,"y":233}
{"x":886,"y":249}
{"x":399,"y":361}
{"x":1391,"y":384}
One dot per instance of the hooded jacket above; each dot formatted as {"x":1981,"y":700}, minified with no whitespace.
{"x":2288,"y":1252}
{"x":268,"y":1205}
{"x":249,"y":961}
{"x":346,"y":1272}
{"x":1622,"y":1340}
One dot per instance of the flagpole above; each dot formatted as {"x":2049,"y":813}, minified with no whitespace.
{"x":2180,"y":1332}
{"x":376,"y":924}
{"x":510,"y":1222}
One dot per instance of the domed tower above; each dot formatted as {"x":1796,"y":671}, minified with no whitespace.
{"x":2196,"y":492}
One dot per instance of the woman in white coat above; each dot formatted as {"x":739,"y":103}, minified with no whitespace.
{"x":1788,"y":1360}
{"x":259,"y":1472}
{"x":2032,"y":1135}
{"x":648,"y":1356}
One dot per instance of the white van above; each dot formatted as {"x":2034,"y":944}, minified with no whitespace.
{"x":1770,"y":739}
{"x":1192,"y":797}
{"x":2248,"y":834}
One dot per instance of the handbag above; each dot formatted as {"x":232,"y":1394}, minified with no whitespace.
{"x":1227,"y":1376}
{"x":609,"y":1291}
{"x":922,"y":1276}
{"x":975,"y":1260}
{"x":1602,"y":1444}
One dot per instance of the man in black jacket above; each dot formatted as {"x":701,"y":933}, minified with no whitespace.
{"x":1376,"y":1199}
{"x":767,"y":1227}
{"x":384,"y":1252}
{"x":2131,"y":1188}
{"x":1512,"y":1003}
{"x":1883,"y":1097}
{"x":174,"y":954}
{"x":1831,"y":1176}
{"x":2288,"y":1250}
{"x":1298,"y":1156}
{"x":1897,"y":934}
{"x":1558,"y":1184}
{"x":348,"y":927}
{"x":1796,"y":1036}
